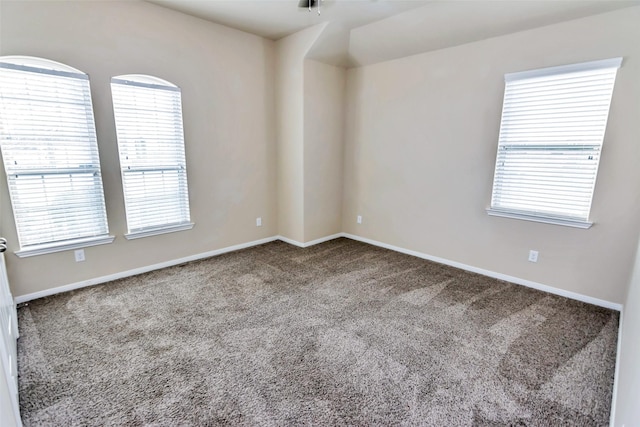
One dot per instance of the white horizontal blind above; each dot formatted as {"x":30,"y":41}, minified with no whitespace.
{"x":148,"y":114}
{"x":553,"y":124}
{"x":50,"y":153}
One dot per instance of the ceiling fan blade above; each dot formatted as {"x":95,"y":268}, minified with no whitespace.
{"x":305,"y":3}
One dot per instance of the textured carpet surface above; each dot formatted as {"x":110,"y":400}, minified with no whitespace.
{"x":338,"y":333}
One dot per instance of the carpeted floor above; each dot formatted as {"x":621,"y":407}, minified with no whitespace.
{"x":335,"y":334}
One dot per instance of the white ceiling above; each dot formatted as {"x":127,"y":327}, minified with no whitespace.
{"x":275,"y":19}
{"x":445,"y":24}
{"x":362,"y":32}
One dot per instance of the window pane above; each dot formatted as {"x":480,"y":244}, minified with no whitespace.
{"x":57,"y":207}
{"x":551,"y":133}
{"x":148,"y":114}
{"x":148,"y":204}
{"x":50,"y":152}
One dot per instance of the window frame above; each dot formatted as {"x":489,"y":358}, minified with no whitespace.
{"x":128,"y":167}
{"x":88,"y":145}
{"x":507,"y":143}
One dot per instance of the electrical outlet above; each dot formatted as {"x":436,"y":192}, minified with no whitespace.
{"x":533,"y":256}
{"x":359,"y":219}
{"x":79,"y":253}
{"x":258,"y":222}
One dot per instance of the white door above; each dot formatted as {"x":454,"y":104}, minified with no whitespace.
{"x":8,"y":349}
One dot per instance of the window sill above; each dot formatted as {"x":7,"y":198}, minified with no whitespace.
{"x":157,"y":231}
{"x":63,"y":246}
{"x":543,"y":219}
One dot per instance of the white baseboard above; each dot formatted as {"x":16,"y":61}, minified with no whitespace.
{"x":310,"y":243}
{"x":146,"y":269}
{"x":136,"y":271}
{"x":290,"y":241}
{"x":512,"y":279}
{"x":495,"y":275}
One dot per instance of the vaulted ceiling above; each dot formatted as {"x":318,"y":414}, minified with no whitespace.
{"x":363,"y":32}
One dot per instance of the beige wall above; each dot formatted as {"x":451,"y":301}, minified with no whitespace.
{"x":421,"y":142}
{"x":263,"y":129}
{"x":627,"y":404}
{"x":228,"y":100}
{"x":290,"y":54}
{"x":324,"y":88}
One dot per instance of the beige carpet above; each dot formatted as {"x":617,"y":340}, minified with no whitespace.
{"x":341,"y":333}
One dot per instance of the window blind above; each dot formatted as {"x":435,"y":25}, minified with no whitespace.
{"x":551,"y":134}
{"x":50,"y":153}
{"x":148,"y":115}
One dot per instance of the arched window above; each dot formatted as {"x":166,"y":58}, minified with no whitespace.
{"x":148,"y":116}
{"x":50,"y":152}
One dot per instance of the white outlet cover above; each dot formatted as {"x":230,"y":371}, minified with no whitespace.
{"x":79,"y":254}
{"x":533,"y":256}
{"x":359,"y":219}
{"x":258,"y":222}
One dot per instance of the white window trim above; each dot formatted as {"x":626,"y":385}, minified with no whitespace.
{"x":158,"y":231}
{"x":571,"y":68}
{"x":542,"y":218}
{"x":68,"y":245}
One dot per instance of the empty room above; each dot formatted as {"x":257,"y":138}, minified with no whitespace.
{"x":320,"y":212}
